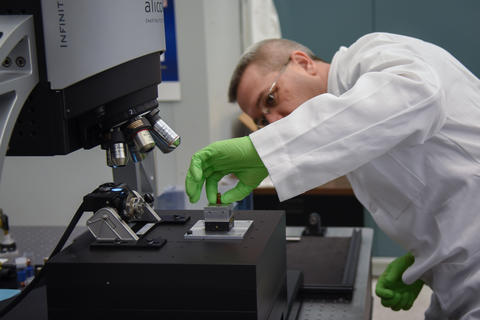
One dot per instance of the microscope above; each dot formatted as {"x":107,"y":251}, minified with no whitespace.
{"x":78,"y":74}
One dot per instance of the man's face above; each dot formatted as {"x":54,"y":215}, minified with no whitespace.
{"x":275,"y":94}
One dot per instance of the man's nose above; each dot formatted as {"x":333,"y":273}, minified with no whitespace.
{"x":273,"y":116}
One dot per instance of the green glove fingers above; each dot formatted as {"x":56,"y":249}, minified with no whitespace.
{"x":237,"y":156}
{"x":248,"y":180}
{"x":237,"y":193}
{"x":394,"y":293}
{"x":211,"y":186}
{"x":404,"y":302}
{"x":400,"y":302}
{"x":193,"y":187}
{"x":392,"y":302}
{"x":194,"y":179}
{"x":418,"y":286}
{"x":382,"y":292}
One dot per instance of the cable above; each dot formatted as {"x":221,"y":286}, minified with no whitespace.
{"x":41,"y":274}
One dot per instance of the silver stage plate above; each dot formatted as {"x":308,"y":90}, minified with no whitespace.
{"x":237,"y":232}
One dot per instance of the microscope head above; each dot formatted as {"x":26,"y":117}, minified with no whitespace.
{"x":97,"y":80}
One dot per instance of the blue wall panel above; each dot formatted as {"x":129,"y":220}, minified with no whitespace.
{"x":324,"y":25}
{"x":453,"y":25}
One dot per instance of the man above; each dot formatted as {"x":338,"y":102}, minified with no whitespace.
{"x":401,"y":118}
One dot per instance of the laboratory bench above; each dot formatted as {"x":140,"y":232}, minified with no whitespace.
{"x":38,"y":241}
{"x":334,"y":202}
{"x":336,"y":187}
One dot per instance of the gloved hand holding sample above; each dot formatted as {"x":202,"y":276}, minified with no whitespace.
{"x":393,"y":292}
{"x":212,"y":163}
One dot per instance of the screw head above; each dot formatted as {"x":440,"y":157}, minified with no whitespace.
{"x":21,"y":62}
{"x":7,"y":62}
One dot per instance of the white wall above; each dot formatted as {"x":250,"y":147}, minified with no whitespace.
{"x":208,"y":35}
{"x":48,"y":190}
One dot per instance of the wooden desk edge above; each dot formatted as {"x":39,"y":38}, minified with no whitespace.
{"x":317,"y":191}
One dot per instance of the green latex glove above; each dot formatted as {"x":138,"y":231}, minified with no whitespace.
{"x":212,"y":163}
{"x":394,"y":293}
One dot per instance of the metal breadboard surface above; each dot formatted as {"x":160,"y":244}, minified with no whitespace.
{"x":328,"y":264}
{"x":322,"y":259}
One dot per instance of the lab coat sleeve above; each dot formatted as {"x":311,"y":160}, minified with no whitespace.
{"x":394,"y":100}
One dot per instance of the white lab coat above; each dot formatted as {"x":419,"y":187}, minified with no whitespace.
{"x":402,"y":120}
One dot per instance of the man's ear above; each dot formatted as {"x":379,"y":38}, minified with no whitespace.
{"x":302,"y":59}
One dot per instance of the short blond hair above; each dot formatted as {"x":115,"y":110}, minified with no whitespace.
{"x":270,"y":54}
